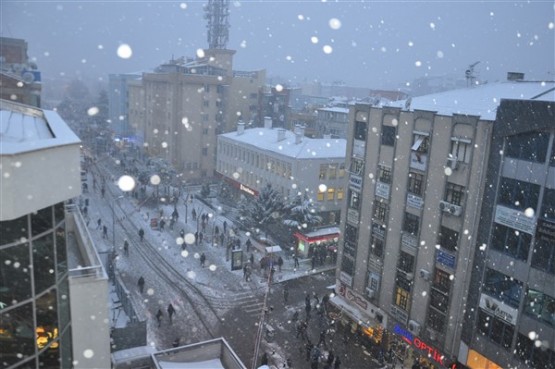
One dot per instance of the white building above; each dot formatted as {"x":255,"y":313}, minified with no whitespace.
{"x":51,"y":281}
{"x":249,"y":159}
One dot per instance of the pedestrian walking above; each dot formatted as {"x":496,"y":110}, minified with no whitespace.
{"x":85,"y":211}
{"x":202,"y":259}
{"x":159,"y":315}
{"x":296,"y":260}
{"x":313,"y":261}
{"x":308,"y":347}
{"x":248,"y":244}
{"x":141,"y":234}
{"x":330,"y":359}
{"x":162,"y":223}
{"x":251,"y":259}
{"x":285,"y":294}
{"x":196,"y":238}
{"x":104,"y":232}
{"x":99,"y":223}
{"x":222,"y":239}
{"x":200,"y":237}
{"x":126,"y":248}
{"x":307,"y":309}
{"x":322,"y":339}
{"x":141,"y":284}
{"x":280,"y":263}
{"x":182,"y":233}
{"x":225,"y":226}
{"x":171,"y":311}
{"x":102,"y":191}
{"x":337,"y":363}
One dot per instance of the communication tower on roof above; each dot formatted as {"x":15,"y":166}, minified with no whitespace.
{"x":470,"y":74}
{"x":216,"y":12}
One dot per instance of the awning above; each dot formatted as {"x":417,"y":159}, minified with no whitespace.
{"x":273,"y":249}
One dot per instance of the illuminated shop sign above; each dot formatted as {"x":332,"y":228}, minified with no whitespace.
{"x":498,"y":308}
{"x":408,"y":337}
{"x":246,"y":189}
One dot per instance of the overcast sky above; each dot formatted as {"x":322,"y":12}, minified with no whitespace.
{"x":363,"y":43}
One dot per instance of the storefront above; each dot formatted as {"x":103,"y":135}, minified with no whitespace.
{"x":235,"y":190}
{"x":321,"y":243}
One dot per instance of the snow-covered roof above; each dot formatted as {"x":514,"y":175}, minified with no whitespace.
{"x":481,"y":100}
{"x":309,"y":148}
{"x":336,"y":109}
{"x":26,"y":128}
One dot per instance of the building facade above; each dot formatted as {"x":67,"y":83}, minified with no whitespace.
{"x":415,"y":190}
{"x":36,"y":227}
{"x":180,"y":108}
{"x":249,"y":159}
{"x":512,"y":293}
{"x":118,"y":103}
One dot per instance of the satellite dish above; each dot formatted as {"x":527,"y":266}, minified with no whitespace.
{"x":28,"y":77}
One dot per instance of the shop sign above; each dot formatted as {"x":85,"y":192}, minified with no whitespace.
{"x":418,"y":160}
{"x":515,"y":219}
{"x":446,"y":259}
{"x":352,"y":216}
{"x":545,"y":231}
{"x":408,"y":240}
{"x":359,"y":148}
{"x":355,"y":182}
{"x":415,"y":201}
{"x":499,"y":309}
{"x":408,"y":337}
{"x":382,"y":190}
{"x":378,"y":231}
{"x":345,"y":278}
{"x":246,"y":189}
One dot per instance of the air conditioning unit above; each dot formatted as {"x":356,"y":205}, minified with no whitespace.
{"x":452,"y":162}
{"x":443,"y":205}
{"x":370,"y":293}
{"x":455,"y":210}
{"x":414,"y":327}
{"x":409,"y":276}
{"x":425,"y":275}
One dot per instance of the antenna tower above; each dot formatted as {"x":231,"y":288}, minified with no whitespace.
{"x":216,"y":12}
{"x":470,"y":74}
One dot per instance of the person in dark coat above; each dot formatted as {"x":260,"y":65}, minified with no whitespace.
{"x":141,"y":234}
{"x":196,"y":238}
{"x":337,"y":363}
{"x":252,"y":259}
{"x":126,"y":248}
{"x":280,"y":263}
{"x":308,"y":347}
{"x":159,"y":315}
{"x":104,"y":231}
{"x":171,"y":311}
{"x":202,"y":259}
{"x":141,"y":284}
{"x":248,"y":244}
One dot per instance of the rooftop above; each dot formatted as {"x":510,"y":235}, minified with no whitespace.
{"x":266,"y":139}
{"x":481,"y":100}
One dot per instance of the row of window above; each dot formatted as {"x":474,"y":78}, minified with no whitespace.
{"x":330,"y":194}
{"x":331,"y":171}
{"x":530,"y":146}
{"x":260,"y":161}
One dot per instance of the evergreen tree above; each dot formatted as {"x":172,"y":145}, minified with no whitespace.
{"x":301,"y":213}
{"x":266,"y":210}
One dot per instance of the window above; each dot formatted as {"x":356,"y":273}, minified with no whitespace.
{"x":436,"y":320}
{"x":206,"y":103}
{"x":377,"y":246}
{"x":442,"y":281}
{"x":380,"y":211}
{"x":204,"y":151}
{"x":496,"y":329}
{"x":361,"y":130}
{"x":533,"y":356}
{"x":448,"y":239}
{"x":540,"y":306}
{"x":341,"y":173}
{"x":373,"y":281}
{"x":460,"y":149}
{"x":44,"y":263}
{"x":332,"y":171}
{"x":439,"y":300}
{"x":411,"y":223}
{"x":320,"y":195}
{"x":415,"y":183}
{"x":454,"y":194}
{"x":384,"y":174}
{"x":402,"y":292}
{"x":357,"y":166}
{"x":511,"y":242}
{"x":331,"y":194}
{"x":548,"y":204}
{"x":354,"y":199}
{"x":528,"y":146}
{"x":543,"y":257}
{"x":323,"y":171}
{"x":502,"y":287}
{"x":405,"y":262}
{"x":205,"y":131}
{"x":351,"y":233}
{"x":518,"y":194}
{"x":420,"y":144}
{"x":348,"y":265}
{"x":350,"y":249}
{"x":204,"y":117}
{"x":340,"y":194}
{"x":388,"y":135}
{"x":15,"y":260}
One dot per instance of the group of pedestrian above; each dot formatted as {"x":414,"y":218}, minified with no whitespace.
{"x":170,"y":310}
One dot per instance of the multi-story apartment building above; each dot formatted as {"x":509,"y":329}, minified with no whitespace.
{"x":333,"y":121}
{"x":51,"y":281}
{"x":19,"y":77}
{"x":249,"y":159}
{"x":510,"y":321}
{"x":416,"y":186}
{"x":180,"y":108}
{"x":118,"y":102}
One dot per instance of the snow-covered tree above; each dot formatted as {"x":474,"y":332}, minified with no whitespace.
{"x":264,"y":211}
{"x":301,"y":213}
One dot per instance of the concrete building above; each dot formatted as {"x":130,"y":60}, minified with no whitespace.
{"x":511,"y":319}
{"x":333,"y":121}
{"x":50,"y":278}
{"x":118,"y":103}
{"x":20,"y":80}
{"x":180,"y":108}
{"x":415,"y":191}
{"x":249,"y":159}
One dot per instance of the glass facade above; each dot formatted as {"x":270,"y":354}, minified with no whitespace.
{"x":34,"y":291}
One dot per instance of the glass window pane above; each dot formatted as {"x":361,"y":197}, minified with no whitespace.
{"x":59,"y":212}
{"x":61,"y":250}
{"x":63,"y":301}
{"x":17,"y":335}
{"x":15,"y":275}
{"x":47,"y":320}
{"x":44,"y":263}
{"x":13,"y":230}
{"x":41,"y":221}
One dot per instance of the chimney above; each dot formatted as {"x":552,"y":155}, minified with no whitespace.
{"x":280,"y":134}
{"x":268,"y":122}
{"x":299,"y":133}
{"x":240,"y":127}
{"x":515,"y":76}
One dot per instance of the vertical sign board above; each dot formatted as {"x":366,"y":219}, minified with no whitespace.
{"x":236,"y":259}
